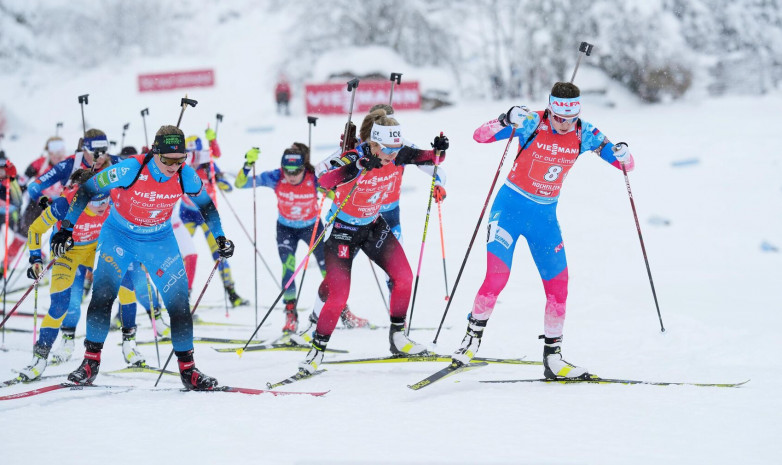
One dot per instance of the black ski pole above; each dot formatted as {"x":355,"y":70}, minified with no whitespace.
{"x":192,"y":312}
{"x":57,"y":128}
{"x":298,"y":268}
{"x":185,"y":103}
{"x":643,"y":248}
{"x":352,"y":85}
{"x":218,"y":120}
{"x":83,"y":100}
{"x":395,"y":78}
{"x":311,"y":121}
{"x":475,"y":233}
{"x":122,"y":142}
{"x":144,"y":113}
{"x":586,"y":49}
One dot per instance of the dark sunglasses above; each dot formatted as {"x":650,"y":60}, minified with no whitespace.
{"x":172,"y":161}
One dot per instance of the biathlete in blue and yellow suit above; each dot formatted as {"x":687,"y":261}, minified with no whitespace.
{"x":201,"y":159}
{"x":68,"y":274}
{"x":295,"y":185}
{"x":144,"y":189}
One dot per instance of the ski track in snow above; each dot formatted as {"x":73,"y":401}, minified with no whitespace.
{"x":719,"y":296}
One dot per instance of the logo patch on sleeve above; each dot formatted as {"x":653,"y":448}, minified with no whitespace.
{"x":343,"y":251}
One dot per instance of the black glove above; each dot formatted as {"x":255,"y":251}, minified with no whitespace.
{"x":43,"y":202}
{"x":440,"y":143}
{"x":369,"y":162}
{"x":347,"y":157}
{"x":36,"y":268}
{"x":62,"y":241}
{"x":225,"y":248}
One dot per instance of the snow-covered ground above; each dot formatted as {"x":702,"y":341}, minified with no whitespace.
{"x":717,"y":290}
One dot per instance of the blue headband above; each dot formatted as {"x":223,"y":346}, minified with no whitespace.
{"x":99,"y":143}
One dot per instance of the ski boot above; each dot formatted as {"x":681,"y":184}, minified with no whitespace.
{"x":88,"y":370}
{"x":352,"y":321}
{"x":234,"y":298}
{"x":64,"y":352}
{"x":401,"y":344}
{"x":471,"y":342}
{"x":291,"y":317}
{"x":192,"y":378}
{"x":35,"y":369}
{"x":315,"y":356}
{"x":554,"y":367}
{"x":116,"y":322}
{"x":129,"y":349}
{"x":304,"y":336}
{"x":162,"y":328}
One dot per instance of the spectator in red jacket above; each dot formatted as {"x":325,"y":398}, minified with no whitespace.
{"x":282,"y":93}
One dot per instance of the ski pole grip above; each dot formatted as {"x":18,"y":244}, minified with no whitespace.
{"x":352,"y":84}
{"x":586,"y":48}
{"x":396,"y":77}
{"x":84,"y":99}
{"x":145,"y":111}
{"x":218,"y":116}
{"x":313,"y":120}
{"x":189,"y":101}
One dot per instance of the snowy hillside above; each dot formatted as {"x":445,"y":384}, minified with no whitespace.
{"x":708,"y":192}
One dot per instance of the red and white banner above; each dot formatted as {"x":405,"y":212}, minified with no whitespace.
{"x":176,"y":80}
{"x":335,"y":99}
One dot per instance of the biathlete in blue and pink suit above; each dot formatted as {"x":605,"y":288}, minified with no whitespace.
{"x":550,"y":142}
{"x":144,"y":189}
{"x":295,"y":186}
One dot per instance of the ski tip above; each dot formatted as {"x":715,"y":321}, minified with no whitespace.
{"x":239,"y":352}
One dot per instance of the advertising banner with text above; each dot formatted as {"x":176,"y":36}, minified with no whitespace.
{"x":334,"y":98}
{"x":176,"y":80}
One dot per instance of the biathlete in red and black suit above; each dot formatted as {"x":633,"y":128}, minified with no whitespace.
{"x":360,"y":186}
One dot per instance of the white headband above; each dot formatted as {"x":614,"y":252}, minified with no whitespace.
{"x":55,"y":145}
{"x":386,"y":135}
